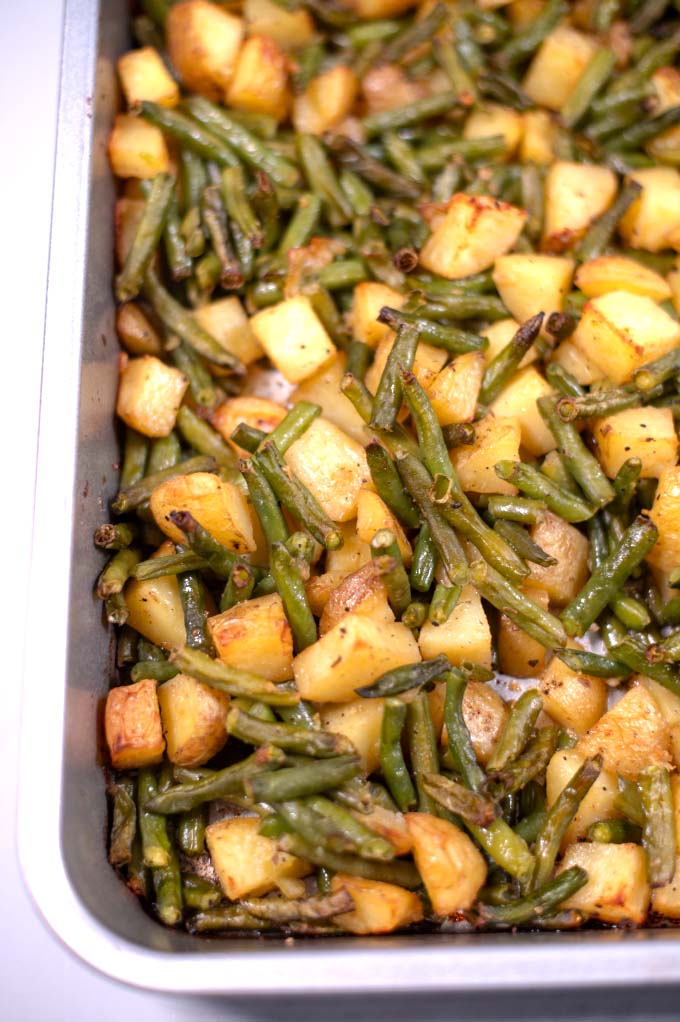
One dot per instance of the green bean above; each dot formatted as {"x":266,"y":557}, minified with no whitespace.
{"x":538,"y":905}
{"x":418,"y":482}
{"x":538,"y":486}
{"x":190,"y":133}
{"x":585,"y":662}
{"x":302,"y":224}
{"x":581,"y":463}
{"x":444,"y":601}
{"x":522,"y":544}
{"x":248,"y":437}
{"x":116,"y":537}
{"x":358,"y":158}
{"x":658,"y":832}
{"x":516,"y":730}
{"x":229,"y":917}
{"x":415,"y":614}
{"x":289,"y":737}
{"x":597,"y":404}
{"x":403,"y":679}
{"x":168,"y":891}
{"x":501,"y":368}
{"x":266,"y":506}
{"x":593,"y":77}
{"x":649,"y":376}
{"x":459,"y":741}
{"x":231,"y":680}
{"x":117,"y":571}
{"x":321,"y":177}
{"x":507,"y":849}
{"x":457,"y":799}
{"x":156,"y":847}
{"x":357,"y":192}
{"x":462,"y":82}
{"x":192,"y":594}
{"x":521,"y":610}
{"x":600,"y":233}
{"x":614,"y":832}
{"x":629,"y":802}
{"x":409,"y":113}
{"x":291,"y":589}
{"x":214,"y":219}
{"x":123,"y":821}
{"x":559,"y":816}
{"x":636,"y":134}
{"x":388,"y":396}
{"x":219,"y":558}
{"x":523,"y":44}
{"x":402,"y":157}
{"x":284,"y":910}
{"x":230,"y":781}
{"x":159,"y":670}
{"x":424,"y":560}
{"x":296,"y":497}
{"x":388,"y":484}
{"x":135,"y":455}
{"x":466,"y":305}
{"x":451,"y":338}
{"x":392,"y":763}
{"x":458,"y":434}
{"x":191,"y":833}
{"x":239,"y":587}
{"x":530,"y":826}
{"x":362,"y":840}
{"x":403,"y":874}
{"x":147,"y":236}
{"x":297,"y":782}
{"x":239,"y":208}
{"x":529,"y":764}
{"x":422,"y":746}
{"x":200,"y":893}
{"x":294,"y":425}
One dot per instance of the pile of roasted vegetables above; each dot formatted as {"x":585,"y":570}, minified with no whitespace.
{"x":395,"y":560}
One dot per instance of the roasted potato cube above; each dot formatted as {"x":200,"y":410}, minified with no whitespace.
{"x":575,"y":195}
{"x":247,"y":863}
{"x":652,"y":222}
{"x":582,"y":368}
{"x":518,"y":400}
{"x":367,"y":10}
{"x":373,"y":514}
{"x":225,"y":320}
{"x":495,"y":440}
{"x":154,"y":607}
{"x":493,"y":119}
{"x":378,"y":907}
{"x":620,"y":331}
{"x":360,"y":721}
{"x":538,"y":139}
{"x":144,"y":76}
{"x":137,"y":148}
{"x":598,"y":804}
{"x":326,"y":101}
{"x":465,"y":636}
{"x":530,"y":283}
{"x":132,"y":726}
{"x":137,"y":335}
{"x":387,"y":86}
{"x":484,"y":713}
{"x":389,"y":825}
{"x":259,"y":412}
{"x":557,"y":67}
{"x":218,"y":506}
{"x":518,"y":653}
{"x":644,"y":433}
{"x":352,"y":654}
{"x":323,"y":388}
{"x":203,"y":43}
{"x":332,"y":466}
{"x":454,"y":391}
{"x":369,"y":298}
{"x":569,"y":547}
{"x":630,"y":736}
{"x":617,"y":890}
{"x":666,"y":899}
{"x":260,"y":82}
{"x":352,"y":555}
{"x":294,"y":337}
{"x":573,"y":699}
{"x":149,"y":395}
{"x":617,"y":273}
{"x":665,"y":513}
{"x":427,"y":363}
{"x":290,"y":29}
{"x":362,"y":592}
{"x":255,"y":636}
{"x":499,"y":335}
{"x":452,"y":868}
{"x":475,"y":230}
{"x":194,"y":720}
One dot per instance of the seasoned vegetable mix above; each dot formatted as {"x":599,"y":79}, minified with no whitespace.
{"x":395,"y":561}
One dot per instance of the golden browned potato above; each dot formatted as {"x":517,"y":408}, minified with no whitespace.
{"x":154,"y":607}
{"x":617,"y":890}
{"x":255,"y":636}
{"x":452,"y":868}
{"x":557,"y":67}
{"x":218,"y":506}
{"x":132,"y":726}
{"x":293,"y":337}
{"x":495,"y":440}
{"x":644,"y":433}
{"x":466,"y":634}
{"x":149,"y":395}
{"x":518,"y":400}
{"x":367,"y":301}
{"x":194,"y":720}
{"x":260,"y":82}
{"x":572,"y":698}
{"x":378,"y":907}
{"x":569,"y":547}
{"x":389,"y":825}
{"x":144,"y":76}
{"x":361,"y":592}
{"x":454,"y":391}
{"x":484,"y":713}
{"x":599,"y":802}
{"x":538,"y":139}
{"x":373,"y":515}
{"x":530,"y":283}
{"x":203,"y":43}
{"x":494,"y":119}
{"x":225,"y":319}
{"x":576,"y":194}
{"x":428,"y":362}
{"x":630,"y":736}
{"x":652,"y":222}
{"x":326,"y":101}
{"x":137,"y":148}
{"x":137,"y":335}
{"x":665,"y":513}
{"x":475,"y":230}
{"x":618,"y":273}
{"x":247,"y":863}
{"x":518,"y":653}
{"x":332,"y":466}
{"x":360,"y":721}
{"x":323,"y":388}
{"x":259,"y":412}
{"x":290,"y":29}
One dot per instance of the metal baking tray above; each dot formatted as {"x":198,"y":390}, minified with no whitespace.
{"x":62,"y":839}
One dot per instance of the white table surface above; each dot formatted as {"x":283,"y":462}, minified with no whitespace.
{"x":40,"y":979}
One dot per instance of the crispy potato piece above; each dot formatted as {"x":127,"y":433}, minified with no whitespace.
{"x":128,"y":213}
{"x":630,"y":736}
{"x":260,"y":82}
{"x":389,"y":825}
{"x":617,"y":273}
{"x":149,"y":395}
{"x":499,"y":335}
{"x":484,"y":713}
{"x":452,"y":868}
{"x":367,"y":10}
{"x":576,"y":194}
{"x":225,"y":319}
{"x":373,"y":515}
{"x":332,"y":466}
{"x":617,"y":890}
{"x":531,"y":283}
{"x":254,"y":411}
{"x":518,"y":400}
{"x":644,"y":433}
{"x":557,"y":67}
{"x":247,"y":863}
{"x":132,"y":726}
{"x":518,"y":653}
{"x":203,"y":43}
{"x":665,"y":513}
{"x":652,"y":222}
{"x":367,"y":301}
{"x":378,"y":907}
{"x":564,"y":542}
{"x":290,"y":29}
{"x":255,"y":636}
{"x":194,"y":720}
{"x":598,"y":804}
{"x":326,"y":101}
{"x":360,"y":721}
{"x":144,"y":76}
{"x":323,"y":388}
{"x":218,"y":506}
{"x":495,"y":440}
{"x":494,"y":119}
{"x":361,"y":592}
{"x":154,"y":607}
{"x":137,"y":335}
{"x":454,"y":391}
{"x":387,"y":86}
{"x":475,"y":230}
{"x":465,"y":636}
{"x":137,"y":148}
{"x":576,"y":362}
{"x":538,"y":139}
{"x":427,"y":363}
{"x":573,"y":699}
{"x":293,"y":337}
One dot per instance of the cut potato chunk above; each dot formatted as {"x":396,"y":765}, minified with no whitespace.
{"x":149,"y":395}
{"x":518,"y":400}
{"x":332,"y":466}
{"x":576,"y":194}
{"x":258,"y":412}
{"x":132,"y":726}
{"x":484,"y":713}
{"x":452,"y":868}
{"x":495,"y":440}
{"x":581,"y":367}
{"x":620,"y":331}
{"x":255,"y":636}
{"x":378,"y":907}
{"x":569,"y":547}
{"x":493,"y":119}
{"x":290,"y":29}
{"x":218,"y":506}
{"x":203,"y":43}
{"x":518,"y":653}
{"x":326,"y":101}
{"x":538,"y":139}
{"x":466,"y":634}
{"x":454,"y":391}
{"x":360,"y":721}
{"x":665,"y":513}
{"x":557,"y":67}
{"x":194,"y":720}
{"x":666,"y":899}
{"x":387,"y":86}
{"x":323,"y":388}
{"x":617,"y":890}
{"x":294,"y":337}
{"x":225,"y":319}
{"x":474,"y":231}
{"x":373,"y":514}
{"x":631,"y":736}
{"x":362,"y":592}
{"x":598,"y":804}
{"x":352,"y":654}
{"x":644,"y":433}
{"x":260,"y":82}
{"x":144,"y":76}
{"x":367,"y":10}
{"x":617,"y":273}
{"x":154,"y":607}
{"x":137,"y":148}
{"x":247,"y":863}
{"x":573,"y":699}
{"x":368,"y":299}
{"x":137,"y":335}
{"x":530,"y":283}
{"x":428,"y":362}
{"x":652,"y":222}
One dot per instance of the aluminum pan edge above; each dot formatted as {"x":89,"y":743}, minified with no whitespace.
{"x":454,"y":963}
